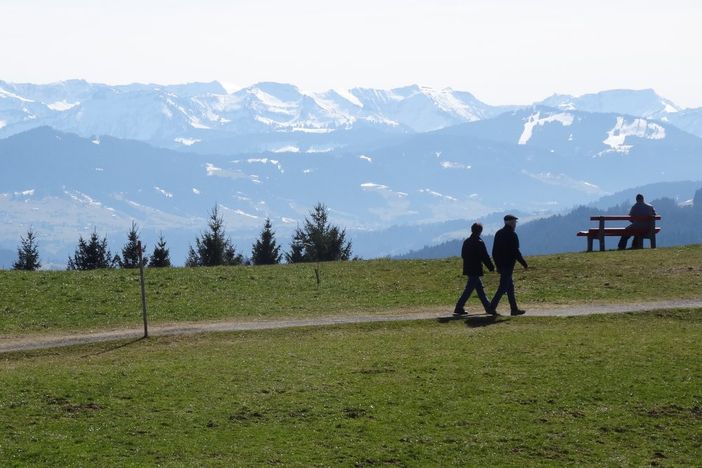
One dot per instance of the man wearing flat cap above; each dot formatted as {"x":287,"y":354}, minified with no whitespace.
{"x":505,"y":252}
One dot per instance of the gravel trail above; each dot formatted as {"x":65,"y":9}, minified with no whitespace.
{"x":33,"y":342}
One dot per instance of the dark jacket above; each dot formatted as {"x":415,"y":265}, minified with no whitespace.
{"x":505,"y":249}
{"x":474,"y":254}
{"x":644,"y":210}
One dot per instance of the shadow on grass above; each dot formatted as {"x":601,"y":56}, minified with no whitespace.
{"x":482,"y":321}
{"x":472,"y":321}
{"x":114,"y":348}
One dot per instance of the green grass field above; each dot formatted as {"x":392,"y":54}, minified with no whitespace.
{"x":50,"y":301}
{"x":619,"y":390}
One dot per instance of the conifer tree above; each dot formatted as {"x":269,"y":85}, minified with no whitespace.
{"x":213,"y":248}
{"x":297,"y":248}
{"x":161,"y":257}
{"x":130,"y":252}
{"x":319,"y":240}
{"x":28,"y":253}
{"x":91,"y":255}
{"x":265,"y":251}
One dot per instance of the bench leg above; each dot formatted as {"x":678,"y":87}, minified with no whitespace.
{"x":589,"y":244}
{"x":653,"y":241}
{"x":602,"y":244}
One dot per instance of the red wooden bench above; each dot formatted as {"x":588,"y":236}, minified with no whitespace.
{"x":601,"y":232}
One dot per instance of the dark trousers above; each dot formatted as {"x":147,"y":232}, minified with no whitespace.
{"x":638,"y":240}
{"x":506,"y":286}
{"x":474,"y":283}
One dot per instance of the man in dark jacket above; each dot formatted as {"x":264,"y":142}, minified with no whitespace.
{"x":474,"y":254}
{"x":505,"y":252}
{"x":642,"y":210}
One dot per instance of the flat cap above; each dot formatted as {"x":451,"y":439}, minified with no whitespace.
{"x":510,"y":217}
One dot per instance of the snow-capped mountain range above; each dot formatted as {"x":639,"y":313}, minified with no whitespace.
{"x":191,"y":115}
{"x":78,"y":156}
{"x":205,"y":118}
{"x":533,"y":160}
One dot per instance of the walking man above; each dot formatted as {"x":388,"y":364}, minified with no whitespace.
{"x":644,"y":211}
{"x":474,"y":255}
{"x":505,"y":252}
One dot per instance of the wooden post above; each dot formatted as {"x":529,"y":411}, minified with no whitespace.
{"x":317,"y":273}
{"x":589,"y":243}
{"x":653,"y":233}
{"x":601,"y":235}
{"x":143,"y":290}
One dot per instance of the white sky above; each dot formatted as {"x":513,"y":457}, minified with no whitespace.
{"x":503,"y":51}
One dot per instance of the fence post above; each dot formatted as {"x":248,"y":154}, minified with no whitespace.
{"x":143,"y":290}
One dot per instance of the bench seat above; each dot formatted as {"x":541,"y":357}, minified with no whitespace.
{"x":594,"y":233}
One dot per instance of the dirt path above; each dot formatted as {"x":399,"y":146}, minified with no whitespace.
{"x":187,"y":328}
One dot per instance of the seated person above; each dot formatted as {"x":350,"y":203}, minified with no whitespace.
{"x":642,"y":209}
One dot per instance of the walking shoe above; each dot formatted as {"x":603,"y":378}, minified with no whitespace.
{"x":460,"y":312}
{"x":517,"y":312}
{"x":491,"y":311}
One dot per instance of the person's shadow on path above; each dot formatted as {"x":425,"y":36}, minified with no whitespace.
{"x":472,"y":321}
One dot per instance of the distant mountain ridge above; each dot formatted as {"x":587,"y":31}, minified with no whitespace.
{"x":184,"y":115}
{"x":538,"y":160}
{"x":205,"y":118}
{"x":404,"y":163}
{"x":554,"y":234}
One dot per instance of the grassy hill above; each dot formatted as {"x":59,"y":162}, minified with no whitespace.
{"x":47,"y":301}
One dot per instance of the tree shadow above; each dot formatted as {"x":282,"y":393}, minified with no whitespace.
{"x":114,"y":348}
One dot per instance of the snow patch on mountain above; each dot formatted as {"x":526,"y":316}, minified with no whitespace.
{"x":641,"y":128}
{"x":311,"y":130}
{"x":212,"y":169}
{"x":186,"y":141}
{"x":274,"y":162}
{"x":245,"y":214}
{"x":6,"y":94}
{"x":287,"y":149}
{"x":349,"y":96}
{"x":454,"y":165}
{"x":438,"y":195}
{"x":25,"y":193}
{"x":196,"y":123}
{"x":62,"y":106}
{"x":448,"y":102}
{"x":3,"y":123}
{"x":82,"y":198}
{"x":314,"y":149}
{"x":383,"y":189}
{"x":564,"y":118}
{"x":163,"y":192}
{"x":215,"y":171}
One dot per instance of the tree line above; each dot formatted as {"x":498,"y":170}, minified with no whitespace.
{"x":317,"y":240}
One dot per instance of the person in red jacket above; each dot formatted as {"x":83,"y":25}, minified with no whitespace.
{"x":474,"y":255}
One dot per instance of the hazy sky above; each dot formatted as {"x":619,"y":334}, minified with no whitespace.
{"x":503,"y":51}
